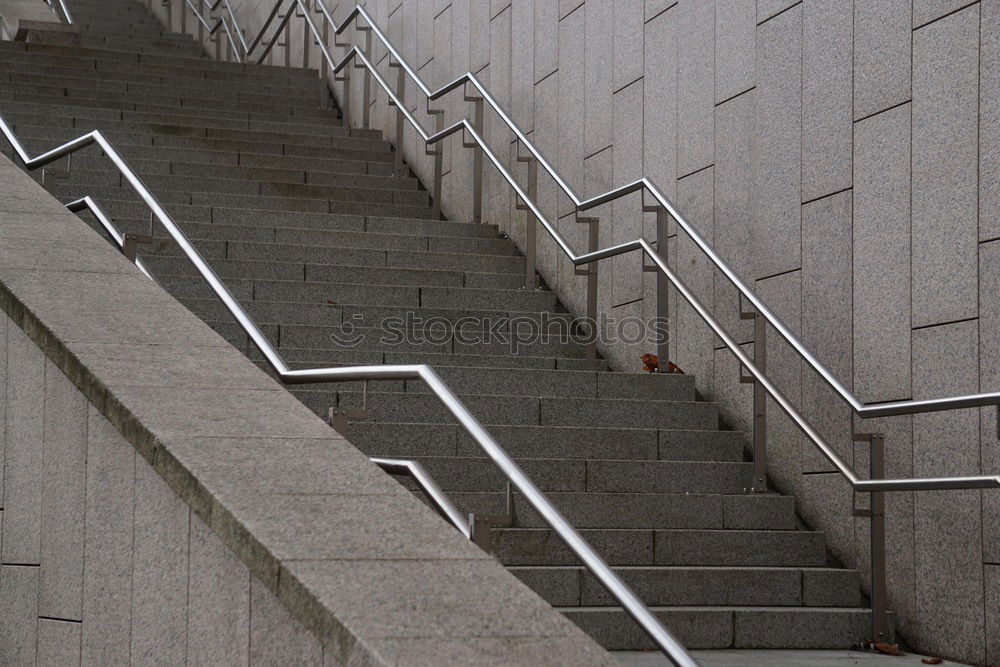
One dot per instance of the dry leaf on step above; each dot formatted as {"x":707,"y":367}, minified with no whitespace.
{"x":888,"y":649}
{"x":932,"y":661}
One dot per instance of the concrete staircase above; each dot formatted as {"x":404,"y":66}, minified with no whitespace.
{"x":310,"y":228}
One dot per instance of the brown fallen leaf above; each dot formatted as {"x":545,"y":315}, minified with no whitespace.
{"x":674,"y":368}
{"x":331,"y":302}
{"x":650,"y":363}
{"x":887,"y":649}
{"x":932,"y":661}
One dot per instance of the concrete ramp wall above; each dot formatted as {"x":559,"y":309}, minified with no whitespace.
{"x":164,"y":500}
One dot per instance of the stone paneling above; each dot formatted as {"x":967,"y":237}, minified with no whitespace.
{"x":881,"y":55}
{"x":827,"y":97}
{"x":766,"y":9}
{"x":598,"y":75}
{"x":775,"y":223}
{"x":989,"y":120}
{"x":546,"y":47}
{"x":18,"y":614}
{"x":695,"y":84}
{"x":735,"y":33}
{"x":522,"y":63}
{"x":627,"y":29}
{"x":571,"y":152}
{"x":826,"y":320}
{"x":949,"y":568}
{"x":945,"y":168}
{"x":693,"y":346}
{"x":733,"y":167}
{"x":881,"y":256}
{"x":626,"y":270}
{"x":989,"y":376}
{"x":23,"y":457}
{"x":64,"y":484}
{"x":58,"y":642}
{"x":925,"y":11}
{"x":109,"y":520}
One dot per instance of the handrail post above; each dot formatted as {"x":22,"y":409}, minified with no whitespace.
{"x":401,"y":94}
{"x":306,"y":37}
{"x":324,"y":67}
{"x":438,"y":153}
{"x":477,"y":160}
{"x":288,"y":38}
{"x":530,"y":225}
{"x":184,"y":27}
{"x":876,"y":515}
{"x":759,"y":401}
{"x":366,"y":94}
{"x":591,"y":272}
{"x":662,"y":285}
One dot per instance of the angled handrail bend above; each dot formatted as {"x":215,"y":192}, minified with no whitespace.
{"x":863,"y":409}
{"x":532,"y":494}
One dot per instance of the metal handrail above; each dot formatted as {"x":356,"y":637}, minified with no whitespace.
{"x":442,"y":503}
{"x":876,"y":486}
{"x":65,"y":10}
{"x":532,"y":494}
{"x":355,"y":54}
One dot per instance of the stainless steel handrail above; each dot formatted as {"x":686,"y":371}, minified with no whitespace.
{"x":438,"y":498}
{"x":356,"y":55}
{"x":642,"y":185}
{"x":65,"y":10}
{"x":532,"y":494}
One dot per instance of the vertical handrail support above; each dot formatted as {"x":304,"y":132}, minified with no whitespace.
{"x":759,"y":400}
{"x":876,"y":515}
{"x":530,"y":223}
{"x":662,"y":282}
{"x":477,"y":156}
{"x":590,"y":270}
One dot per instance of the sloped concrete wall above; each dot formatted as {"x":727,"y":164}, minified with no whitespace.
{"x":842,"y":156}
{"x":165,"y":498}
{"x":102,"y":562}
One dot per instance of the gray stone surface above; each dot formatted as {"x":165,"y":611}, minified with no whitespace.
{"x":775,"y":223}
{"x":58,"y":642}
{"x":276,"y":637}
{"x":945,"y":171}
{"x":18,"y":614}
{"x":827,"y":98}
{"x":627,"y":31}
{"x":692,"y":347}
{"x":827,"y":326}
{"x":598,"y":76}
{"x":695,"y":97}
{"x":989,"y":120}
{"x":949,"y":575}
{"x":767,"y":9}
{"x":23,"y":460}
{"x":160,"y":589}
{"x":108,"y":551}
{"x":64,"y":481}
{"x":926,"y":11}
{"x":881,"y":256}
{"x":735,"y":32}
{"x":218,"y":600}
{"x":776,"y":658}
{"x":989,"y":369}
{"x":882,"y":39}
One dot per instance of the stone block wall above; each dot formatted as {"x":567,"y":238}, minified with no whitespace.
{"x":101,"y":562}
{"x":844,"y":158}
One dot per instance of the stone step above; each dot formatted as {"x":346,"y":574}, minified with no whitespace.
{"x":459,"y":474}
{"x":118,"y":61}
{"x":175,"y":201}
{"x":574,"y":586}
{"x":19,"y":91}
{"x":298,"y":357}
{"x":95,"y":170}
{"x":669,"y":547}
{"x":533,"y":410}
{"x":646,"y":510}
{"x":730,"y":627}
{"x":571,"y":442}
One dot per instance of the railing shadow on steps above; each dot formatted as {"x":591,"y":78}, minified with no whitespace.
{"x":360,"y":58}
{"x":618,"y":589}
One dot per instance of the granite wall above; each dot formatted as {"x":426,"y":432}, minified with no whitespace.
{"x":842,"y":156}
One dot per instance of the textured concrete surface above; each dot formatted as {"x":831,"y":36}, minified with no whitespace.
{"x":201,"y":525}
{"x":766,"y":658}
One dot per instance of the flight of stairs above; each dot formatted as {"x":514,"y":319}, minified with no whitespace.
{"x":310,"y":228}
